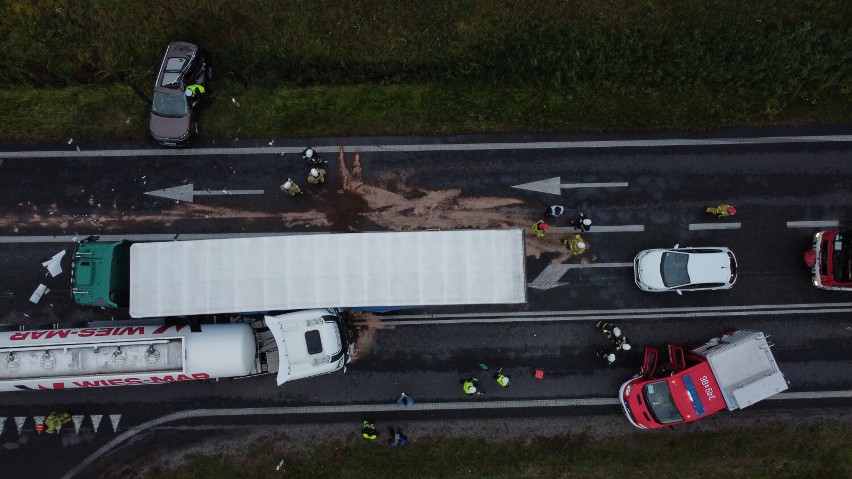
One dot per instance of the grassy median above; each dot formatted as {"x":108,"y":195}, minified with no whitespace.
{"x":312,"y":68}
{"x":822,"y":452}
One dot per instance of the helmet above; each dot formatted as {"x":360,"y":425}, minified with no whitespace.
{"x":625,"y":347}
{"x":187,"y":92}
{"x":732,"y":210}
{"x":503,"y":380}
{"x":309,"y":153}
{"x":471,"y":390}
{"x":587,"y":222}
{"x":288,"y":184}
{"x":581,"y":245}
{"x":616,"y":331}
{"x":610,"y":357}
{"x":39,"y":427}
{"x":543,"y":226}
{"x":314,"y":172}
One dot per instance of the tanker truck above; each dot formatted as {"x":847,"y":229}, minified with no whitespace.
{"x":115,"y":353}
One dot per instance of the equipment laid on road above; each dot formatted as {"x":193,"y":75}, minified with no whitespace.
{"x":830,"y":260}
{"x":733,"y":372}
{"x":285,"y":273}
{"x":294,"y":345}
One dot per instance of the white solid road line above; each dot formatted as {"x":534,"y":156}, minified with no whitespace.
{"x":614,"y":314}
{"x":714,"y":226}
{"x":322,"y":410}
{"x":598,"y":229}
{"x":136,"y":237}
{"x":768,"y":140}
{"x":813,"y":224}
{"x":624,"y":311}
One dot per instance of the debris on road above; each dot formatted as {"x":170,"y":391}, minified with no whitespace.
{"x":53,"y":265}
{"x":39,"y":292}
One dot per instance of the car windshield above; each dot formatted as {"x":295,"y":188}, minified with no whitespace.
{"x":842,"y":258}
{"x":171,"y":105}
{"x":659,"y":400}
{"x":673,"y":269}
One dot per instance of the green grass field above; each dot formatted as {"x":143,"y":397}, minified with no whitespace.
{"x":371,"y":67}
{"x":817,"y":453}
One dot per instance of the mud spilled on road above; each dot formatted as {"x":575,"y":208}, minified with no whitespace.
{"x":343,"y":204}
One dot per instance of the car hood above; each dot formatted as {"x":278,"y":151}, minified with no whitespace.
{"x":169,"y":128}
{"x":649,"y":268}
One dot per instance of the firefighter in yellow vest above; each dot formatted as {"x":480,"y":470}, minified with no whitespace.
{"x":576,"y":244}
{"x":291,"y":188}
{"x":469,"y":387}
{"x":538,"y":229}
{"x":502,"y":379}
{"x":316,"y":175}
{"x":369,"y":431}
{"x":54,"y":421}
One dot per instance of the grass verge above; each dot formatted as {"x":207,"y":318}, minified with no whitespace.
{"x":372,"y":67}
{"x":818,"y":452}
{"x":114,"y":113}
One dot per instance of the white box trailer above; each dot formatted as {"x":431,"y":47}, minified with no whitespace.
{"x":280,"y":273}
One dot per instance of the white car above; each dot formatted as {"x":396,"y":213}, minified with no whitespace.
{"x":685,"y":269}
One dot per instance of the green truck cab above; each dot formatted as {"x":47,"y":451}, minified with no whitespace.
{"x":100,"y":274}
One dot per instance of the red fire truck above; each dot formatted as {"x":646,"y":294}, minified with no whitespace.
{"x":830,"y":260}
{"x":730,"y":372}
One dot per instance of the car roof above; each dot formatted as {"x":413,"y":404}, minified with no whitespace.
{"x":178,"y":57}
{"x":709,"y":267}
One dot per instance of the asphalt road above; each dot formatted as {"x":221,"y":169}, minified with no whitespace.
{"x":51,"y":198}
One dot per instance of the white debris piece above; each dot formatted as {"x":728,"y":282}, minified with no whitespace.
{"x":71,"y":141}
{"x":235,"y":102}
{"x":39,"y":292}
{"x":280,"y":464}
{"x":54,"y":265}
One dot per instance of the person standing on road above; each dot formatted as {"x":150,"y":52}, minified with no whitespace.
{"x":469,"y":387}
{"x":608,"y":357}
{"x":502,"y":379}
{"x":369,"y":431}
{"x":291,"y":188}
{"x":404,"y":401}
{"x":576,"y":244}
{"x":316,"y":176}
{"x":538,"y":229}
{"x":554,"y":211}
{"x":608,"y":329}
{"x":621,"y":343}
{"x":582,"y":223}
{"x":54,"y":421}
{"x":310,"y":156}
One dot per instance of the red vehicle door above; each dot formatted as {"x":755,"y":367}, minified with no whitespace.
{"x":649,"y":364}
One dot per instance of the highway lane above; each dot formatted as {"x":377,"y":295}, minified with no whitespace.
{"x":429,"y":360}
{"x":668,"y":189}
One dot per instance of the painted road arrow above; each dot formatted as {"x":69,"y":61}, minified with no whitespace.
{"x":549,"y":278}
{"x":186,"y":193}
{"x":554,"y":186}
